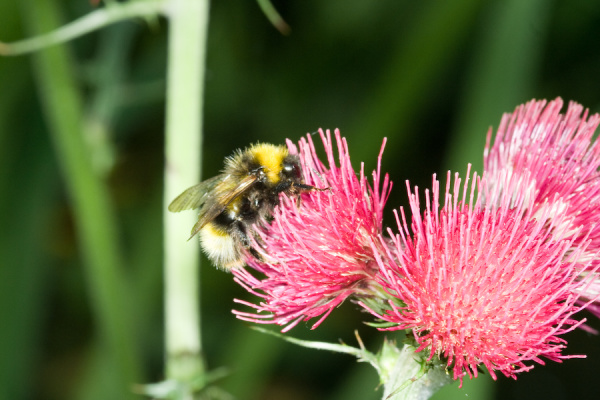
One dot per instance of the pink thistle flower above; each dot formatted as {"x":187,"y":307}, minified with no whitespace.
{"x":316,"y":251}
{"x":481,"y":285}
{"x":555,"y":157}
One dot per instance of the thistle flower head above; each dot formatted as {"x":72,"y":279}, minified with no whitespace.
{"x":316,"y":251}
{"x":555,"y":158}
{"x":481,"y":285}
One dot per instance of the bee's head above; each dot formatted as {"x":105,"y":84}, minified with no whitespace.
{"x":290,"y":169}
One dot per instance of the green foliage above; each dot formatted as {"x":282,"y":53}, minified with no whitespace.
{"x":431,"y":76}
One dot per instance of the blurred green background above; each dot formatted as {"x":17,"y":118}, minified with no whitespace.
{"x":431,"y":76}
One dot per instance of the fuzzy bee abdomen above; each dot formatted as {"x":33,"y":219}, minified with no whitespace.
{"x":222,"y":248}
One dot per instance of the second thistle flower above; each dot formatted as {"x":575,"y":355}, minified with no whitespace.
{"x":481,"y":286}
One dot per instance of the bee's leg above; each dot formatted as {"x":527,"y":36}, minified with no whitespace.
{"x":302,"y":186}
{"x":244,"y":239}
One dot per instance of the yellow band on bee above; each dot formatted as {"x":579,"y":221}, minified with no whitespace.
{"x":270,"y":157}
{"x":212,"y":229}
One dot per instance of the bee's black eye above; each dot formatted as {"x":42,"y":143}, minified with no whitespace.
{"x":291,"y":169}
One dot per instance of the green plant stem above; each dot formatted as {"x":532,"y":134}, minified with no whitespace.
{"x":94,"y":216}
{"x":95,"y":20}
{"x":188,"y":24}
{"x":271,"y":13}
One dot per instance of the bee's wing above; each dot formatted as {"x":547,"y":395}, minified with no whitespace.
{"x":223,"y":194}
{"x":195,"y":196}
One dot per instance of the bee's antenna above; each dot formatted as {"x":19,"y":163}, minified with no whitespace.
{"x":319,"y":176}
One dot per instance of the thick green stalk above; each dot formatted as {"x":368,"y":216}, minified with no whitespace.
{"x":188,"y":22}
{"x":94,"y":216}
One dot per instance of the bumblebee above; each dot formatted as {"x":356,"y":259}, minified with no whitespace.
{"x":244,"y":193}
